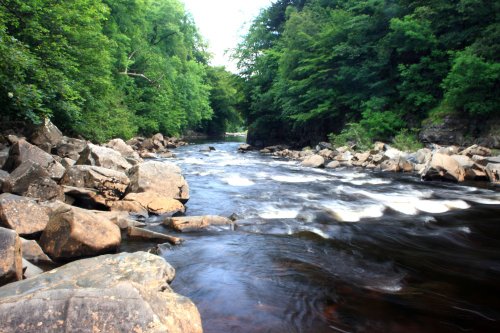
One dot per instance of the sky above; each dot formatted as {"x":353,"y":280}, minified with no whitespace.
{"x":222,"y":23}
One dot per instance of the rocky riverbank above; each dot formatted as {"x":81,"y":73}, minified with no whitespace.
{"x":65,"y":200}
{"x":451,"y":163}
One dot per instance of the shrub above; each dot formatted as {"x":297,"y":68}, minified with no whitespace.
{"x":354,"y":134}
{"x":407,"y":140}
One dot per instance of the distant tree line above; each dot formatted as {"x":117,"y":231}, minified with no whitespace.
{"x":111,"y":68}
{"x":370,"y":68}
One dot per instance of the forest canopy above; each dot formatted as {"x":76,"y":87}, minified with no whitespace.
{"x":377,"y":67}
{"x":109,"y":68}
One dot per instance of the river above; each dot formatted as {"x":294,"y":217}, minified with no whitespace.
{"x":344,"y":250}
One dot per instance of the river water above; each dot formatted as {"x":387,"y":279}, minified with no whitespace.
{"x":344,"y":250}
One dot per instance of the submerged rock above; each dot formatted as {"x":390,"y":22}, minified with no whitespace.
{"x":111,"y":293}
{"x":187,"y":223}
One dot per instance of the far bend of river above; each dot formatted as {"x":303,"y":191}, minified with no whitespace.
{"x":345,"y":250}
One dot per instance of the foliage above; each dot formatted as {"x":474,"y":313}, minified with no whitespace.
{"x":104,"y":68}
{"x":407,"y":140}
{"x":353,"y":135}
{"x":317,"y":65}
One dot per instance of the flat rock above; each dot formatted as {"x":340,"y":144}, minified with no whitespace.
{"x":144,"y":234}
{"x":74,"y":232}
{"x":22,"y":151}
{"x":111,"y":293}
{"x":104,"y":157}
{"x":158,"y":177}
{"x":11,"y":266}
{"x":188,"y":223}
{"x":22,"y":214}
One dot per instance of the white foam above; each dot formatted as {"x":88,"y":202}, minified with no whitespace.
{"x":355,"y":214}
{"x":193,"y":160}
{"x":298,"y":179}
{"x":374,"y":181}
{"x":237,"y":180}
{"x":276,"y":213}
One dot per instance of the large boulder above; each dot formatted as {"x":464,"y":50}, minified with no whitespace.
{"x":103,"y":157}
{"x":313,"y":161}
{"x":22,"y":151}
{"x":159,"y":177}
{"x":22,"y":214}
{"x":111,"y":293}
{"x":46,"y":133}
{"x":106,"y":184}
{"x":31,"y":180}
{"x":444,"y":167}
{"x":189,"y":223}
{"x":74,"y":232}
{"x":11,"y":266}
{"x":152,"y":202}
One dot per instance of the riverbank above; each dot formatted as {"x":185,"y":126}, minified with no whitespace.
{"x":451,"y":163}
{"x":68,"y":205}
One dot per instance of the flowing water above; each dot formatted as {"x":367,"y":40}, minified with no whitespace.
{"x":342,"y":250}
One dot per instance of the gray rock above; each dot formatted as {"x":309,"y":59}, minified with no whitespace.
{"x":104,"y":157}
{"x":4,"y":155}
{"x":159,"y":177}
{"x":70,"y":148}
{"x":333,"y":165}
{"x":11,"y":267}
{"x":493,"y":172}
{"x":112,"y":293}
{"x":22,"y":214}
{"x":423,"y":156}
{"x":3,"y":176}
{"x":30,"y":270}
{"x":22,"y":151}
{"x":47,"y":133}
{"x":33,"y":252}
{"x":31,"y":180}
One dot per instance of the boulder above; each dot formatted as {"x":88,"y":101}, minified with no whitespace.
{"x":188,"y":223}
{"x":125,"y":150}
{"x":46,"y":133}
{"x":243,"y":148}
{"x":67,"y":162}
{"x":111,"y":293}
{"x":144,"y":234}
{"x":70,"y":147}
{"x":379,"y":147}
{"x":313,"y":161}
{"x":327,"y":154}
{"x":22,"y":214}
{"x":11,"y":266}
{"x":104,"y":157}
{"x":476,"y":150}
{"x":33,"y":252}
{"x":132,"y":207}
{"x":360,"y":158}
{"x":493,"y":172}
{"x":451,"y":150}
{"x":158,"y":177}
{"x":423,"y":156}
{"x":450,"y":130}
{"x":22,"y":151}
{"x":333,"y":165}
{"x":464,"y":161}
{"x":444,"y":167}
{"x":31,"y":180}
{"x":74,"y":232}
{"x":3,"y":177}
{"x":378,"y":158}
{"x":390,"y":165}
{"x":153,"y":203}
{"x":106,"y":185}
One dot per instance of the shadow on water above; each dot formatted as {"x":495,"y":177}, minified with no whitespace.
{"x":336,"y":251}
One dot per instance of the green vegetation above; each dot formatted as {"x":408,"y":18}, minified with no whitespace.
{"x":407,"y":141}
{"x":368,"y":69}
{"x":110,"y":68}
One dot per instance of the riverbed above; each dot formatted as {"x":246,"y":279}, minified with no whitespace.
{"x":345,"y":250}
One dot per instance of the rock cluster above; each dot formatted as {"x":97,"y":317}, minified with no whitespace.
{"x":452,"y":163}
{"x":70,"y":199}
